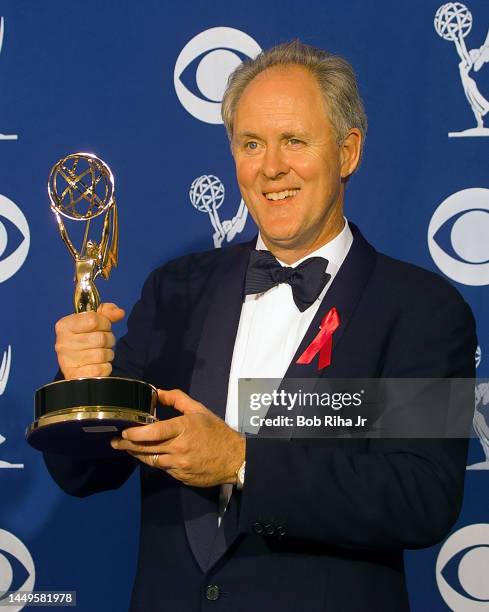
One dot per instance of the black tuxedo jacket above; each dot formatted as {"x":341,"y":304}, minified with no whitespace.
{"x":320,"y":524}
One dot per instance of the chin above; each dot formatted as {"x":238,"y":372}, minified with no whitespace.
{"x":280,"y":228}
{"x":282,"y":238}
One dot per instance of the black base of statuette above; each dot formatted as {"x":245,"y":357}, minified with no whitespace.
{"x":79,"y":417}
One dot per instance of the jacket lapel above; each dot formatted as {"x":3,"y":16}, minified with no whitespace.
{"x":209,"y":384}
{"x":343,"y":294}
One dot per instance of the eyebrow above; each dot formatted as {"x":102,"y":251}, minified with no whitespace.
{"x":247,"y":135}
{"x":283,"y":135}
{"x":297,"y":134}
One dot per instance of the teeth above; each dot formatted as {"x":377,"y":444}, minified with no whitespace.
{"x":281,"y":195}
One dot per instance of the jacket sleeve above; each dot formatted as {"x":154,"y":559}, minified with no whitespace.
{"x":392,"y":493}
{"x":82,"y":477}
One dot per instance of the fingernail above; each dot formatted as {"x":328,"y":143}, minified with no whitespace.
{"x":114,"y":443}
{"x":124,"y":435}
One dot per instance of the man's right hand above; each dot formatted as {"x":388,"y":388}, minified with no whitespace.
{"x":84,"y":342}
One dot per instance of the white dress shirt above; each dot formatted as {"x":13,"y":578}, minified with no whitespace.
{"x":271,"y":328}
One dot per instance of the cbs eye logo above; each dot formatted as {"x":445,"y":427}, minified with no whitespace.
{"x":461,"y":569}
{"x":14,"y":230}
{"x":209,"y":58}
{"x":17,"y":572}
{"x":458,"y":237}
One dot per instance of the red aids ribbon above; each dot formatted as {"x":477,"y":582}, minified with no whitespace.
{"x":323,"y":342}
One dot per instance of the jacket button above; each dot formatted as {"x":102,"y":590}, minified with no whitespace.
{"x":258,"y":528}
{"x":281,"y":531}
{"x":212,"y":592}
{"x":270,"y":529}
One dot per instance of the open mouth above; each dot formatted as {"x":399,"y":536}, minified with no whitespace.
{"x":281,"y":195}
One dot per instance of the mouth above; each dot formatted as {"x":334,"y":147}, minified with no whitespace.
{"x":286,"y":194}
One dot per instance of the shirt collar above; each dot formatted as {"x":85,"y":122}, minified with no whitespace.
{"x":334,"y":251}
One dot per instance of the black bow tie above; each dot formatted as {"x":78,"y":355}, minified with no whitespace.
{"x":307,"y":280}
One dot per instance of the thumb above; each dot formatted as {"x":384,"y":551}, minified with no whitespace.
{"x":180,"y":401}
{"x":111,"y":311}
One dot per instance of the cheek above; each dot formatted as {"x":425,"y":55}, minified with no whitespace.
{"x":320,"y":180}
{"x":246,"y":172}
{"x":309,"y":168}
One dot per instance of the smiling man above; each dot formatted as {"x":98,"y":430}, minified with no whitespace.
{"x":290,"y":166}
{"x":278,"y":524}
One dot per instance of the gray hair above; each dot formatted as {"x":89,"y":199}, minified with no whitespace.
{"x":334,"y":75}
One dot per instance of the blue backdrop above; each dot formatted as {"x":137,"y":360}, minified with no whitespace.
{"x":139,"y":84}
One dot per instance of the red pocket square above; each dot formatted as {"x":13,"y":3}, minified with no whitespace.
{"x":323,"y":342}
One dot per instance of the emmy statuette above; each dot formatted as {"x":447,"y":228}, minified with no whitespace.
{"x":80,"y":416}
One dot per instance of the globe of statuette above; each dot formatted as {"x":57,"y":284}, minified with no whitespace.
{"x":81,"y":186}
{"x":206,"y":193}
{"x":453,"y":20}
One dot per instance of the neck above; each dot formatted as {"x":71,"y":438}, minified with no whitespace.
{"x":291,"y":253}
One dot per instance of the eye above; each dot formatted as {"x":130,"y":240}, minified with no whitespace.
{"x":17,"y":572}
{"x":458,"y":237}
{"x":207,"y":61}
{"x":14,"y":238}
{"x":252,"y":145}
{"x":294,"y":141}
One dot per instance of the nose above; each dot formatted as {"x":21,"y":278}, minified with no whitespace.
{"x":274,"y":162}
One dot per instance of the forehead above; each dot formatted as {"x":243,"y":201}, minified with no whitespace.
{"x":280,"y":96}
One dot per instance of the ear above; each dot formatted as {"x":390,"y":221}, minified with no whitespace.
{"x":350,"y":152}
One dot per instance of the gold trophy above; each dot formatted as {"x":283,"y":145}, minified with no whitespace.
{"x":80,"y":416}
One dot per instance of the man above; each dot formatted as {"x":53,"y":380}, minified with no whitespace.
{"x":309,"y":524}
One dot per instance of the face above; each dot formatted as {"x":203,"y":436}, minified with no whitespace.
{"x":289,"y":166}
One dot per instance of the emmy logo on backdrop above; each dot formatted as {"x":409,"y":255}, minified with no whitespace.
{"x":207,"y":195}
{"x":6,"y":464}
{"x":453,"y":22}
{"x":2,"y":30}
{"x":4,"y":374}
{"x":481,"y":423}
{"x":5,"y":368}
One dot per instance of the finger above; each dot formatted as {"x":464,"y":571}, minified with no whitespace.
{"x":91,"y":340}
{"x":96,"y":370}
{"x":181,"y":401}
{"x":163,"y":462}
{"x":83,"y":322}
{"x":111,"y":311}
{"x":141,"y":447}
{"x":156,"y":432}
{"x":76,"y":359}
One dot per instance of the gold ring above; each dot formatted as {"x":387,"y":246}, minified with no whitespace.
{"x":154,"y":460}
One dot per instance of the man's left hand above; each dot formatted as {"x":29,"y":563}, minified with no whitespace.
{"x":197,"y":448}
